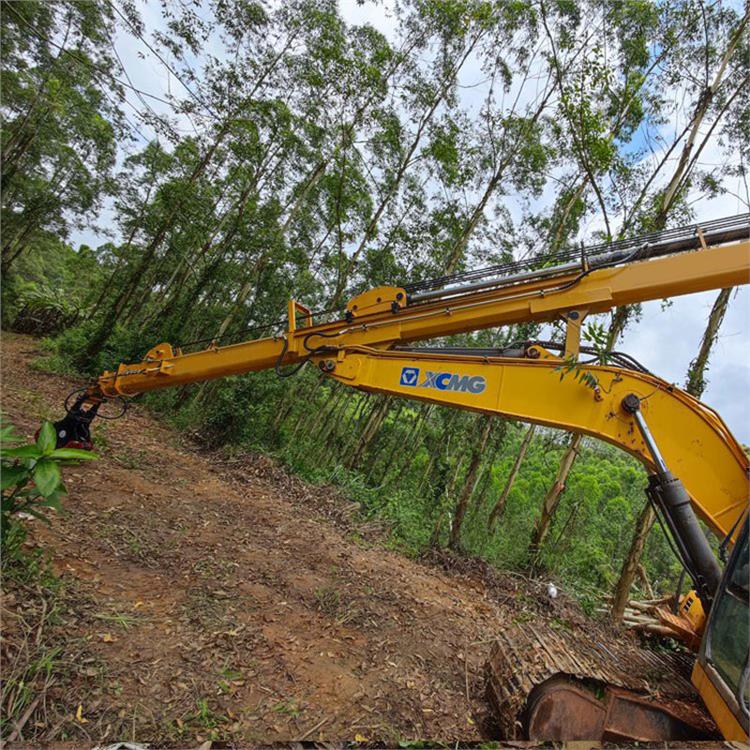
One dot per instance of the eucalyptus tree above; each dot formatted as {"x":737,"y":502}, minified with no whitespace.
{"x":61,"y":119}
{"x":472,"y":31}
{"x":636,"y":86}
{"x":696,"y":382}
{"x":457,"y":30}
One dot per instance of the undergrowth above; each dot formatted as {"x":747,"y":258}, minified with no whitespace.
{"x":31,"y":664}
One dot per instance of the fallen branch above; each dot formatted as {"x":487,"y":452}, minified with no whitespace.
{"x":640,"y":619}
{"x":655,"y":630}
{"x":312,"y":729}
{"x":22,"y":721}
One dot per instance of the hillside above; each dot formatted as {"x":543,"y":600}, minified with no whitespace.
{"x":207,"y":597}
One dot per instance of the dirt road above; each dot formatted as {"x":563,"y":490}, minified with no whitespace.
{"x":210,"y":599}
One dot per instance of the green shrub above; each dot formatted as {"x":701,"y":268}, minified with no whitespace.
{"x":44,"y":310}
{"x":31,"y":478}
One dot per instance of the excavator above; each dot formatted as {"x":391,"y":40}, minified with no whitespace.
{"x":542,"y":685}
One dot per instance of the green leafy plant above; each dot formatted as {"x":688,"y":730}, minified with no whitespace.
{"x":205,"y":716}
{"x":571,"y":366}
{"x":596,"y":335}
{"x":31,"y":476}
{"x":44,"y":310}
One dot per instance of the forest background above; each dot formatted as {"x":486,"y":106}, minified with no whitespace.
{"x":175,"y":171}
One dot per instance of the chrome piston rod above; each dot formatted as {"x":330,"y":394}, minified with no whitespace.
{"x":669,"y":494}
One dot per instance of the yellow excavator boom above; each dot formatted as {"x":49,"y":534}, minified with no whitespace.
{"x":383,"y":317}
{"x":711,"y":463}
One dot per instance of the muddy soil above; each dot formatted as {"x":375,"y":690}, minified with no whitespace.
{"x":214,"y":598}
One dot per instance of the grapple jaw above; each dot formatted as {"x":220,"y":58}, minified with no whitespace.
{"x":74,"y":429}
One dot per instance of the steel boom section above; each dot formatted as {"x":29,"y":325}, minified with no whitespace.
{"x":545,"y":299}
{"x":694,"y":441}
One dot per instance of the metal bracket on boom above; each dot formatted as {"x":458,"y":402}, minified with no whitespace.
{"x":378,"y":300}
{"x":573,"y":323}
{"x":293,"y":307}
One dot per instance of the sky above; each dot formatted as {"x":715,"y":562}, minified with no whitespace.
{"x":665,"y":340}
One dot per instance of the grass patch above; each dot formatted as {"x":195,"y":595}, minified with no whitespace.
{"x":121,"y":619}
{"x":43,"y":663}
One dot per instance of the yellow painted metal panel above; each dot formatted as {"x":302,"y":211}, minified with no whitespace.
{"x":694,"y":441}
{"x":728,"y":725}
{"x":716,"y":268}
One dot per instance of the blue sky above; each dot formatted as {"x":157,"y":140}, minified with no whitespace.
{"x":665,"y":340}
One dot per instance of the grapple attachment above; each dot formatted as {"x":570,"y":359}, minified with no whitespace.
{"x":74,"y":429}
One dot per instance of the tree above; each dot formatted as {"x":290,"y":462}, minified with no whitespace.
{"x":696,"y":376}
{"x":61,"y":120}
{"x":499,"y":507}
{"x":552,"y":498}
{"x":470,"y":479}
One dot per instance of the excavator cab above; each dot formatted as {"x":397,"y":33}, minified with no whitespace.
{"x":722,"y":672}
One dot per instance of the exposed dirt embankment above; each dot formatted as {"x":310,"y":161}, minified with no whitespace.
{"x":212,"y":598}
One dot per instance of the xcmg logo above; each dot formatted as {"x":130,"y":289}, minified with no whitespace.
{"x":443,"y":381}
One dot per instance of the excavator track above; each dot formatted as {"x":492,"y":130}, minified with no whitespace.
{"x":554,"y":683}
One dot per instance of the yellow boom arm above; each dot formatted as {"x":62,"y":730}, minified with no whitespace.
{"x":382,"y":317}
{"x":694,"y":441}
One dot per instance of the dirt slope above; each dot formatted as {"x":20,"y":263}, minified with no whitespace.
{"x":204,"y":600}
{"x":208,"y":597}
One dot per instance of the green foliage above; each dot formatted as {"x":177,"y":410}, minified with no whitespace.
{"x":597,"y":335}
{"x":50,"y":278}
{"x":31,"y":477}
{"x":571,"y":365}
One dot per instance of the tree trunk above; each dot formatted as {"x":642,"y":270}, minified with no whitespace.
{"x":309,"y":398}
{"x":552,"y":498}
{"x":647,"y":588}
{"x":404,"y":164}
{"x":632,"y":561}
{"x":411,"y":442}
{"x":683,"y":168}
{"x":397,"y":443}
{"x":328,"y":432}
{"x":439,"y":446}
{"x":469,"y":482}
{"x":118,"y":305}
{"x":371,"y":429}
{"x":696,"y":380}
{"x":499,"y":508}
{"x":321,"y":415}
{"x":443,"y":503}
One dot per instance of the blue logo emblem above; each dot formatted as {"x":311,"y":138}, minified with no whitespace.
{"x":409,"y":376}
{"x":442,"y":381}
